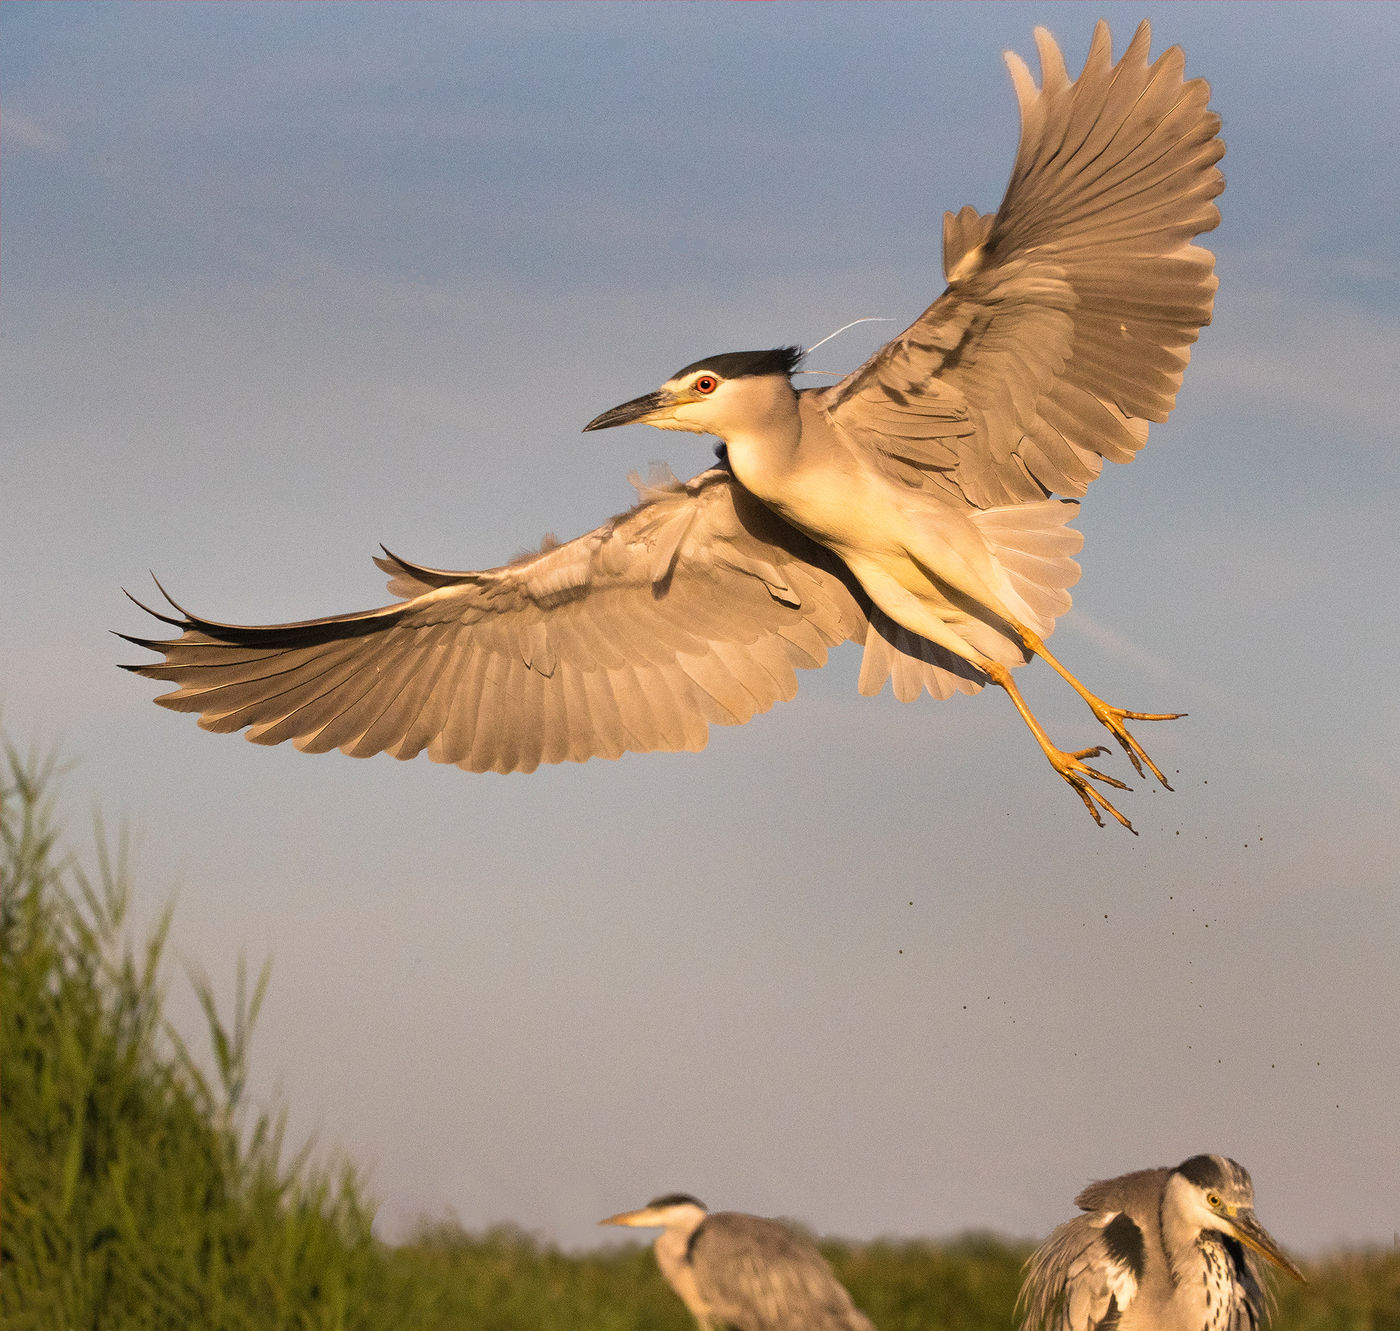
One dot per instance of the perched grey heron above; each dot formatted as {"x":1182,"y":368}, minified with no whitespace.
{"x":1159,"y":1250}
{"x":742,"y":1271}
{"x":918,"y":506}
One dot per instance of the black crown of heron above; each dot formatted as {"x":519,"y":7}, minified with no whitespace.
{"x":919,"y":506}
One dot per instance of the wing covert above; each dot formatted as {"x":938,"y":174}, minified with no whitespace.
{"x":1069,"y":314}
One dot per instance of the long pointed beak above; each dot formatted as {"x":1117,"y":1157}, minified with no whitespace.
{"x":1251,"y":1233}
{"x":622,"y":1217}
{"x":637,"y":409}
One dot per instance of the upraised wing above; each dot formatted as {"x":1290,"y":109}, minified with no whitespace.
{"x":692,"y":609}
{"x":1069,"y":313}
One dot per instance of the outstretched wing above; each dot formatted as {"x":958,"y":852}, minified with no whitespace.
{"x":1069,"y":314}
{"x":692,"y":609}
{"x":1084,"y":1275}
{"x":755,"y":1275}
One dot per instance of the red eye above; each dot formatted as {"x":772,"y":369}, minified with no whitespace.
{"x":706,"y":383}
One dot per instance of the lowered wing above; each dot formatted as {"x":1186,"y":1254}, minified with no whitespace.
{"x":692,"y":609}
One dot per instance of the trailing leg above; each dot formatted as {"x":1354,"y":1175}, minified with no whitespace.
{"x":1109,"y":716}
{"x":1069,"y":765}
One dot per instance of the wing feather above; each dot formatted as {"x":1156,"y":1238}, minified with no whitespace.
{"x":1085,"y":1275}
{"x":1069,"y":314}
{"x":758,"y":1275}
{"x":694,"y":608}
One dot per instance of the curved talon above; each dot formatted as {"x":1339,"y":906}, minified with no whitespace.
{"x":1088,"y":794}
{"x":1112,"y":719}
{"x":1078,"y":773}
{"x":1064,"y":767}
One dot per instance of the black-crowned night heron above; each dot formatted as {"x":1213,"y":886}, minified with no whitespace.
{"x":1159,"y":1250}
{"x":742,"y":1271}
{"x":919,"y":506}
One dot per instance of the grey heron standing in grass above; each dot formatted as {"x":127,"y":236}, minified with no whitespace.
{"x":1158,"y":1250}
{"x":918,"y":506}
{"x":742,"y":1271}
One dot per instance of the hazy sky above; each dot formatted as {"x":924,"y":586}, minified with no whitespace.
{"x":279,"y":282}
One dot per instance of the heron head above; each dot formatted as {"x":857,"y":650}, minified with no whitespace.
{"x":717,"y":395}
{"x":662,"y":1213}
{"x":1216,"y":1193}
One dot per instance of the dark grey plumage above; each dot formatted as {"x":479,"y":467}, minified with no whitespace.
{"x":1158,"y":1250}
{"x":744,"y":1271}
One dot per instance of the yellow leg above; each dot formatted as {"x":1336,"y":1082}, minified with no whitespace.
{"x":1071,"y":766}
{"x":1109,"y":716}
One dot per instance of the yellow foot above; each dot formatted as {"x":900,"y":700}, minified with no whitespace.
{"x":1078,"y":773}
{"x":1113,"y":717}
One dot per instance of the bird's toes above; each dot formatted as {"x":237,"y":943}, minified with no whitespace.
{"x":1095,"y":799}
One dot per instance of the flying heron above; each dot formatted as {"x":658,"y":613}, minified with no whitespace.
{"x":1159,"y":1250}
{"x":918,"y":506}
{"x":742,"y":1271}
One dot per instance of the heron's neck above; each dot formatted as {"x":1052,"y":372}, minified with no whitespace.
{"x":672,"y":1249}
{"x":763,"y":448}
{"x":1205,"y":1294}
{"x":1183,"y":1241}
{"x":671,"y":1245}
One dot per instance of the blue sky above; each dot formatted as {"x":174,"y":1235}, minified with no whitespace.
{"x":279,"y":282}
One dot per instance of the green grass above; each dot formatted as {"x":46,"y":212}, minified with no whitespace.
{"x":136,"y":1191}
{"x":133,"y":1193}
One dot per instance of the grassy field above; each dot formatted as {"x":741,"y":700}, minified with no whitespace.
{"x":136,"y":1193}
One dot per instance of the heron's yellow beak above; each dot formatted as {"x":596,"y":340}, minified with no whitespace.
{"x":1253,"y":1235}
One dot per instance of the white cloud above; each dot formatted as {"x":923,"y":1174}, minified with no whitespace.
{"x":23,"y":132}
{"x":1115,"y":644}
{"x":1306,"y":356}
